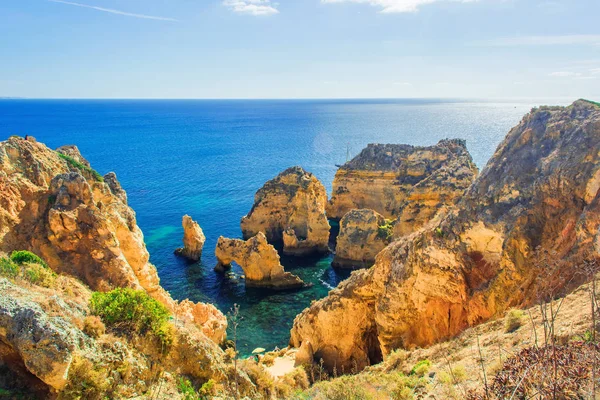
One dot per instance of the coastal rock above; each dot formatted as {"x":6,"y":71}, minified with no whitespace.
{"x":304,"y":355}
{"x":523,"y":226}
{"x":258,"y":259}
{"x":363,"y":234}
{"x":73,"y":152}
{"x":45,"y":345}
{"x":291,"y":208}
{"x":403,"y":182}
{"x":193,"y":239}
{"x":79,"y":223}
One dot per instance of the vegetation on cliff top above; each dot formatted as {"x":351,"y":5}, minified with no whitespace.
{"x":133,"y":311}
{"x":84,"y":168}
{"x":27,"y":266}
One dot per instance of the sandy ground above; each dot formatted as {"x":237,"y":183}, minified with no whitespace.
{"x":283,"y":365}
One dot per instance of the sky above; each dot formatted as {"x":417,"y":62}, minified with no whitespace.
{"x":300,"y":48}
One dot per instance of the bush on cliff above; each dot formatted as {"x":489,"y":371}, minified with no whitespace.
{"x":133,"y":311}
{"x":386,"y":231}
{"x":8,"y":268}
{"x":23,"y":256}
{"x":84,"y":168}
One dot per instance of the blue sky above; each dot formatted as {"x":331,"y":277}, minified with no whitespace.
{"x":299,"y":48}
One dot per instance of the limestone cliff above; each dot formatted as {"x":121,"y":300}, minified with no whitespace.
{"x":258,"y":259}
{"x":54,"y":204}
{"x":193,"y":239}
{"x":363,"y":234}
{"x":290,"y":208}
{"x":538,"y":194}
{"x":403,"y":182}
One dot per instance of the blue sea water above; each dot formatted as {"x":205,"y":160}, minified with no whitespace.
{"x":207,"y":158}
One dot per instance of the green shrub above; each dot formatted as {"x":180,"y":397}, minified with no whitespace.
{"x":23,"y":256}
{"x":386,"y":231}
{"x":457,"y":375}
{"x":132,"y":310}
{"x":39,"y":275}
{"x":421,"y":368}
{"x":186,"y":389}
{"x":8,"y":268}
{"x":208,"y":390}
{"x":84,"y":168}
{"x":513,"y":320}
{"x":86,"y":381}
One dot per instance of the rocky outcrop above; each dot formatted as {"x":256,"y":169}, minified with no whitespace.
{"x":407,"y":183}
{"x":363,"y":234}
{"x":537,"y":195}
{"x":291,"y":208}
{"x":258,"y":259}
{"x":193,"y":239}
{"x":79,"y":223}
{"x":43,"y":339}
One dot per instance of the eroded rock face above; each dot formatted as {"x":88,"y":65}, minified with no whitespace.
{"x":193,"y":239}
{"x":363,"y":234}
{"x":539,"y":191}
{"x":291,"y":208}
{"x":80,"y":224}
{"x":258,"y":259}
{"x":403,"y":182}
{"x":45,"y":345}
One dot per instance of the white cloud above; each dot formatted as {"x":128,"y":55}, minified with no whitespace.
{"x":564,"y":74}
{"x":557,"y":40}
{"x":112,"y":11}
{"x":252,"y":7}
{"x":595,"y":71}
{"x":395,"y":6}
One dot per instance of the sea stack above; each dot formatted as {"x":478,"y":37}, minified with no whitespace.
{"x":363,"y":234}
{"x":193,"y":239}
{"x":291,"y":209}
{"x":525,"y":223}
{"x":258,"y":259}
{"x":403,"y":182}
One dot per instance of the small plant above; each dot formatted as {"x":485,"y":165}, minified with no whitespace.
{"x":207,"y":390}
{"x":93,"y":326}
{"x":439,"y":232}
{"x":135,"y":311}
{"x":513,"y":320}
{"x":39,"y":275}
{"x":23,"y":256}
{"x":234,"y":322}
{"x":421,"y":368}
{"x":86,"y":381}
{"x":8,"y":268}
{"x":457,"y":375}
{"x":73,"y":163}
{"x":184,"y":386}
{"x":268,"y":359}
{"x":386,"y":231}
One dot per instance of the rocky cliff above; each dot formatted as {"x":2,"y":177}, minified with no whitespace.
{"x":290,"y":208}
{"x":193,"y":239}
{"x":363,"y":234}
{"x":258,"y":259}
{"x":403,"y":182}
{"x":55,"y":205}
{"x":519,"y":233}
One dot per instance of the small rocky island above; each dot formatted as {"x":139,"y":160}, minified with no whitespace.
{"x":258,"y":259}
{"x":193,"y":239}
{"x":291,"y":209}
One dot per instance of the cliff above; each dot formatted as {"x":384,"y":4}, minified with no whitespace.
{"x":258,"y":259}
{"x":55,"y":205}
{"x":363,"y":234}
{"x":519,"y":234}
{"x":290,"y":208}
{"x":407,"y":183}
{"x":193,"y":239}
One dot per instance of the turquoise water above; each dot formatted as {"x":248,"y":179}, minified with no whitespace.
{"x":208,"y":158}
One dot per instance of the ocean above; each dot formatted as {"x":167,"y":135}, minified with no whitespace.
{"x":207,"y":158}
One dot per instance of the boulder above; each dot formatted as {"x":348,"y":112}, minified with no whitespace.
{"x":193,"y":239}
{"x":258,"y":259}
{"x":519,"y":234}
{"x":291,"y":209}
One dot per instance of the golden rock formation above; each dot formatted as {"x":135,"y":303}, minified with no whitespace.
{"x":291,"y":208}
{"x":258,"y":259}
{"x":524,"y":225}
{"x":193,"y":239}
